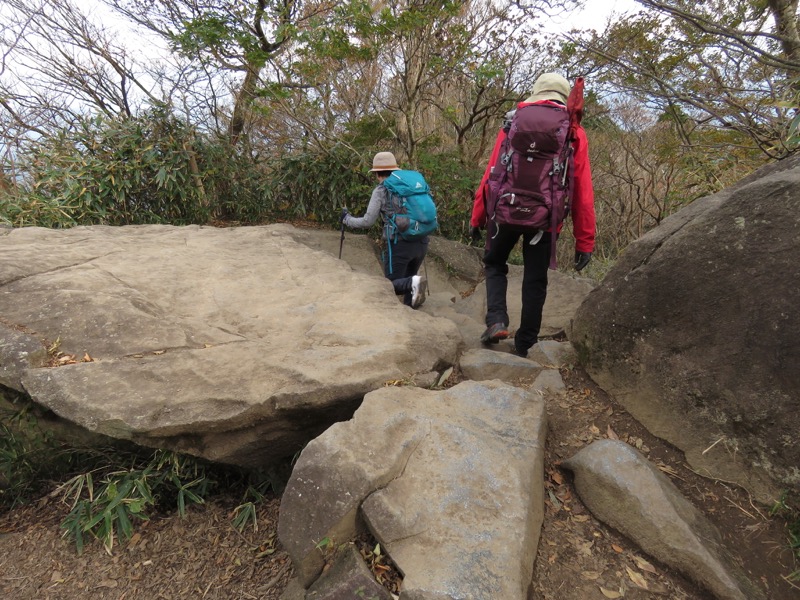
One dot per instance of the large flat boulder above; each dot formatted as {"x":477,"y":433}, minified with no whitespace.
{"x":237,"y":345}
{"x":696,"y":330}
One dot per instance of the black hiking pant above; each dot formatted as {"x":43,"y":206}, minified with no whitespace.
{"x":536,"y":258}
{"x":405,"y":258}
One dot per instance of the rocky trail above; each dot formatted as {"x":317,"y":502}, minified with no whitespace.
{"x":203,"y":556}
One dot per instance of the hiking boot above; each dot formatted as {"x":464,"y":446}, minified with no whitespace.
{"x":419,"y":287}
{"x":519,"y":352}
{"x":494,"y":333}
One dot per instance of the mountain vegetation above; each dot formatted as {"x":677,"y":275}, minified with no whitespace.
{"x":222,"y":111}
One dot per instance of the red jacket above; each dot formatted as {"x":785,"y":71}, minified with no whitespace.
{"x":582,"y":196}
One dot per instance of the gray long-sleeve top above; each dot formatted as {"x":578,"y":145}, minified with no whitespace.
{"x":379,"y":204}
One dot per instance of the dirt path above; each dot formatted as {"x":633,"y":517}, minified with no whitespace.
{"x":202,"y":556}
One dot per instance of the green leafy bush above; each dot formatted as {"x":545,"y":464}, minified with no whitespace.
{"x":114,"y":172}
{"x":453,"y":186}
{"x":106,"y":510}
{"x":29,"y":456}
{"x":106,"y":501}
{"x":787,"y":508}
{"x":149,"y":169}
{"x":109,"y":489}
{"x":315,"y":185}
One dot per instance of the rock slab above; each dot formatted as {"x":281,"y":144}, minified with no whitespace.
{"x":625,"y":491}
{"x":236,"y":345}
{"x":695,"y":332}
{"x":449,"y":483}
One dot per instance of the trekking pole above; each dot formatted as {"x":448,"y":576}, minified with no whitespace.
{"x":341,"y":241}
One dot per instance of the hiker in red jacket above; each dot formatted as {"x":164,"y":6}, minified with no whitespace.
{"x":551,"y":89}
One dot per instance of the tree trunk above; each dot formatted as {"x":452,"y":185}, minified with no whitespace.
{"x":785,"y":14}
{"x":243,"y":100}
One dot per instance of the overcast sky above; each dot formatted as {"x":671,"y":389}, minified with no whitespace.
{"x":595,"y":14}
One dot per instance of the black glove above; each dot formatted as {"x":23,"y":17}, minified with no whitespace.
{"x":342,"y":216}
{"x":582,"y":259}
{"x":475,"y":234}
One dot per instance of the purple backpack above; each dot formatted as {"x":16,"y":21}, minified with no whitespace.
{"x":528,"y":188}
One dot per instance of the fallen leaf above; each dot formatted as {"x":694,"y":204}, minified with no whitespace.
{"x":594,"y":429}
{"x":591,"y":575}
{"x":87,"y":358}
{"x":564,"y":495}
{"x":617,"y":549}
{"x":644,"y":565}
{"x":445,"y":376}
{"x":586,"y":548}
{"x":56,"y":577}
{"x":636,"y":577}
{"x":557,"y":477}
{"x":609,"y":593}
{"x":611,"y":434}
{"x":159,"y":352}
{"x":580,"y":518}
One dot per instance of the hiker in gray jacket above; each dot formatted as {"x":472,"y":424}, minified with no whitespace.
{"x":403,"y":257}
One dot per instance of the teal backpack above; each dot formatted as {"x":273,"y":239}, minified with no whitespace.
{"x":415,"y":213}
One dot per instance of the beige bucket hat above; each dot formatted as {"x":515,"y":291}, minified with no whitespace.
{"x":550,"y":86}
{"x":384,"y":161}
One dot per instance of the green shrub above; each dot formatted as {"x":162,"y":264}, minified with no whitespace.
{"x":315,"y":185}
{"x":114,"y":172}
{"x":106,"y":510}
{"x":109,"y":489}
{"x":106,"y":500}
{"x":453,"y":187}
{"x":787,"y":508}
{"x":29,"y":456}
{"x":150,"y":169}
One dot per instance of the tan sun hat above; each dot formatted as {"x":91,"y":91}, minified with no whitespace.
{"x":550,"y":86}
{"x":384,"y":161}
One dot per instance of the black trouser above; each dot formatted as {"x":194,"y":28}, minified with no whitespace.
{"x":499,"y":245}
{"x":406,"y":259}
